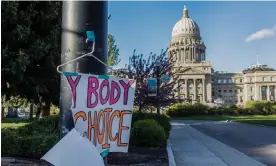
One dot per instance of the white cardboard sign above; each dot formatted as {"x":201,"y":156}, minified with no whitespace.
{"x":102,"y":109}
{"x":74,"y":150}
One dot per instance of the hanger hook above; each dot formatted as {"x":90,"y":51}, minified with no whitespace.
{"x":92,"y":51}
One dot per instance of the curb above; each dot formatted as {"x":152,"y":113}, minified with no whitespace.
{"x":170,"y":154}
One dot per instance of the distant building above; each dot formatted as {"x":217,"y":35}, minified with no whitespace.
{"x":120,"y":72}
{"x":198,"y":82}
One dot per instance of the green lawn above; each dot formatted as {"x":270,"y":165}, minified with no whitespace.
{"x":269,"y":120}
{"x":14,"y":122}
{"x":5,"y":125}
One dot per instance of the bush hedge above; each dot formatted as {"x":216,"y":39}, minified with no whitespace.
{"x":187,"y":109}
{"x":161,"y":119}
{"x":250,"y":108}
{"x":32,"y":140}
{"x":148,"y":133}
{"x":36,"y":138}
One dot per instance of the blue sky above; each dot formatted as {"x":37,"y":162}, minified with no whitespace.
{"x":224,"y":27}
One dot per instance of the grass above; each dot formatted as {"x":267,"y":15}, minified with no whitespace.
{"x":14,"y":122}
{"x":6,"y":125}
{"x":267,"y":120}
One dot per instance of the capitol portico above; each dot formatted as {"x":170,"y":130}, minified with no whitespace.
{"x":197,"y":80}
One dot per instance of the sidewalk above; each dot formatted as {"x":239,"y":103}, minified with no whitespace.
{"x":193,"y":148}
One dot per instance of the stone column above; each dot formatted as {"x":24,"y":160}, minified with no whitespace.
{"x":203,"y":90}
{"x":274,"y":93}
{"x":179,"y":55}
{"x":182,"y":55}
{"x":194,"y":89}
{"x":185,"y":87}
{"x":260,"y":93}
{"x":193,"y":53}
{"x":190,"y":54}
{"x":267,"y":93}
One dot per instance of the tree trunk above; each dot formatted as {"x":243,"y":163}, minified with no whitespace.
{"x":2,"y":114}
{"x":46,"y":109}
{"x":140,"y":106}
{"x":16,"y":112}
{"x":38,"y":110}
{"x":31,"y":111}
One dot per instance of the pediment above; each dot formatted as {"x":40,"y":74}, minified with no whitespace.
{"x":190,"y":70}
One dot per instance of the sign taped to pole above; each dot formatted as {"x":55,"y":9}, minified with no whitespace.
{"x":152,"y":87}
{"x":102,"y":109}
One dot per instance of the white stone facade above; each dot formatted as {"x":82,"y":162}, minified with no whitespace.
{"x":197,"y":81}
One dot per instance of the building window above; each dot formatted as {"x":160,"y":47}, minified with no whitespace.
{"x":224,"y":81}
{"x":251,"y":98}
{"x":219,"y":91}
{"x":213,"y":93}
{"x":219,"y":81}
{"x":230,"y":90}
{"x":230,"y":81}
{"x":225,"y":90}
{"x":241,"y":99}
{"x":266,"y":79}
{"x":250,"y":80}
{"x":236,"y":90}
{"x":241,"y":90}
{"x":264,"y":92}
{"x":251,"y":89}
{"x":240,"y":80}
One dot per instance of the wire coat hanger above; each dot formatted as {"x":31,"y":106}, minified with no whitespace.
{"x":90,"y":37}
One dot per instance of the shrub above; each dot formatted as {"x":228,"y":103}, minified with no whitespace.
{"x":47,"y":125}
{"x":187,"y":109}
{"x":261,"y":107}
{"x":147,"y":133}
{"x":32,"y":140}
{"x":33,"y":146}
{"x":162,"y":120}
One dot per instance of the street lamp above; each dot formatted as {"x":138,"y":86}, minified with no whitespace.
{"x":157,"y":70}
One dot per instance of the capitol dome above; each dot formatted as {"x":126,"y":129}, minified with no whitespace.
{"x":185,"y":26}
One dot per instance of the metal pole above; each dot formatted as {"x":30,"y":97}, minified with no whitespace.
{"x":158,"y":86}
{"x":77,"y":18}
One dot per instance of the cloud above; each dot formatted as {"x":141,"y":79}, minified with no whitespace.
{"x":261,"y":34}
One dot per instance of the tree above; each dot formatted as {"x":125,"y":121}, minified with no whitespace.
{"x":113,"y":52}
{"x":30,"y":51}
{"x":141,"y":69}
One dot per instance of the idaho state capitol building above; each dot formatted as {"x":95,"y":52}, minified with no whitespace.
{"x":198,"y":82}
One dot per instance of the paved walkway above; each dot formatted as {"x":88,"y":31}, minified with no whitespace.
{"x":193,"y":148}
